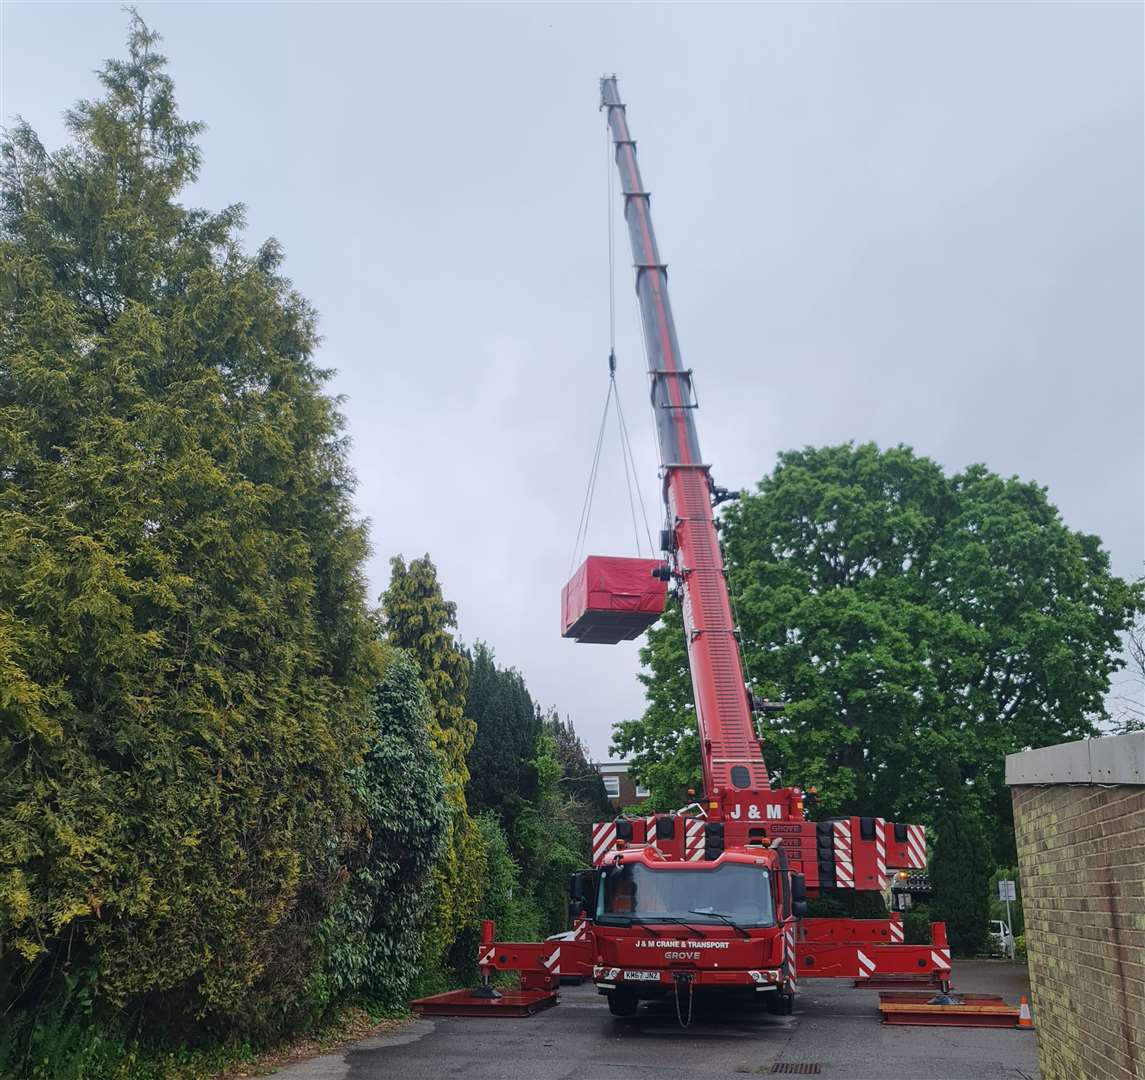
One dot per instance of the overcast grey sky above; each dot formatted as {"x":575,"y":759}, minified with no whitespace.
{"x":906,"y":223}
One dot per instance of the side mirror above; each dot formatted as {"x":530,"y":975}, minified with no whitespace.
{"x":576,"y":909}
{"x":799,"y":909}
{"x":799,"y":890}
{"x":582,"y":888}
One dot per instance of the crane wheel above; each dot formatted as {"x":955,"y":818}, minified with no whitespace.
{"x":622,"y":1003}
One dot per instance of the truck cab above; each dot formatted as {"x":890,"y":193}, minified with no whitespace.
{"x":666,"y":927}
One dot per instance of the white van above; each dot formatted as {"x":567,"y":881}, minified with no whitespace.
{"x":1001,"y":941}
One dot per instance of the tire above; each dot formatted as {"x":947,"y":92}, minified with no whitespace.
{"x":622,"y":1003}
{"x":780,"y":1004}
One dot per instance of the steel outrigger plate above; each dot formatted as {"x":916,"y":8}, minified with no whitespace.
{"x":508,"y":1003}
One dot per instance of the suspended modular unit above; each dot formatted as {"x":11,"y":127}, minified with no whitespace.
{"x":612,"y":599}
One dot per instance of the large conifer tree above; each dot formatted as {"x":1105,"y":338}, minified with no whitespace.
{"x":420,"y":620}
{"x":184,"y":647}
{"x":501,"y":772}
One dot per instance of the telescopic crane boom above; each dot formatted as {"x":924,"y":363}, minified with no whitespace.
{"x":730,"y":751}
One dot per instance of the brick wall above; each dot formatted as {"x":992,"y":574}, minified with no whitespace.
{"x":1081,"y":854}
{"x":627,"y":796}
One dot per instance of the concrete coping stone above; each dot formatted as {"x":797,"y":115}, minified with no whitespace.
{"x":1112,"y":759}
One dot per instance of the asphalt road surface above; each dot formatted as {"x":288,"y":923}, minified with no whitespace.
{"x":834,"y":1027}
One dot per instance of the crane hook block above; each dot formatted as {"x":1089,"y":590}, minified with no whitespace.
{"x":612,"y":599}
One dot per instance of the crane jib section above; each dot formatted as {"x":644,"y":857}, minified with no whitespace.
{"x":730,"y":751}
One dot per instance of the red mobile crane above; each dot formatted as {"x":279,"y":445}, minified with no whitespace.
{"x":712,"y":898}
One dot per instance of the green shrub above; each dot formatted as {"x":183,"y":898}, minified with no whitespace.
{"x":916,"y":925}
{"x":375,"y":934}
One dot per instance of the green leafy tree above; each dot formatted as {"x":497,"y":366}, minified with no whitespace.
{"x":579,"y":779}
{"x":536,"y":796}
{"x":909,"y":618}
{"x":663,"y":744}
{"x":550,"y":840}
{"x":419,"y":619}
{"x":1129,"y":701}
{"x":505,"y":898}
{"x":185,"y":652}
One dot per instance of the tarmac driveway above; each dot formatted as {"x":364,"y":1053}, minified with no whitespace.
{"x":834,"y":1027}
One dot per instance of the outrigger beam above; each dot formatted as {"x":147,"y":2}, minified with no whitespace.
{"x":540,"y":965}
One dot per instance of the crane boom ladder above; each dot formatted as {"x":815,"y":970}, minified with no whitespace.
{"x":730,"y":752}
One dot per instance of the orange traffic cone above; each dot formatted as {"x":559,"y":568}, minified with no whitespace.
{"x":1025,"y":1020}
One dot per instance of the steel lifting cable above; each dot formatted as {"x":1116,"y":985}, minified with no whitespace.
{"x":627,"y":475}
{"x":631,"y":475}
{"x":626,"y":447}
{"x":586,"y":508}
{"x":625,"y":442}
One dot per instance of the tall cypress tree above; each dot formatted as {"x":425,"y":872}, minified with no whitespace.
{"x":420,"y":620}
{"x":502,"y":775}
{"x":185,"y":651}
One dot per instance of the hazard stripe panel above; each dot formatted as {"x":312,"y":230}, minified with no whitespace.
{"x":844,"y":863}
{"x":603,"y":838}
{"x":916,"y":846}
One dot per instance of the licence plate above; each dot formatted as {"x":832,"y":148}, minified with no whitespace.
{"x":642,"y":976}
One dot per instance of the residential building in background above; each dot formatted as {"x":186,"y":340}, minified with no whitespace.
{"x":619,"y":786}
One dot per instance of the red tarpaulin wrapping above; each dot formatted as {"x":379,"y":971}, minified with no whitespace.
{"x":611,"y":599}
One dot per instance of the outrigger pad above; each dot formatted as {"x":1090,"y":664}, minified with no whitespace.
{"x":474,"y":1003}
{"x":975,"y":1010}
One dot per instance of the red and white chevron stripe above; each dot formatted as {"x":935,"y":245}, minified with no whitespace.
{"x":484,"y":956}
{"x":940,"y":958}
{"x":694,"y":839}
{"x":897,"y":934}
{"x":789,"y":964}
{"x":603,"y":837}
{"x":552,"y":962}
{"x":844,"y":859}
{"x":881,"y":851}
{"x":866,"y":964}
{"x":916,"y":846}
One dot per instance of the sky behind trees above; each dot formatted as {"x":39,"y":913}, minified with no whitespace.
{"x":912,"y":224}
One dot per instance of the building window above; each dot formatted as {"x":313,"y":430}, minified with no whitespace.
{"x":642,"y":792}
{"x":612,"y":786}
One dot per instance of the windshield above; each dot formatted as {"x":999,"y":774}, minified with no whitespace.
{"x":737,"y":892}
